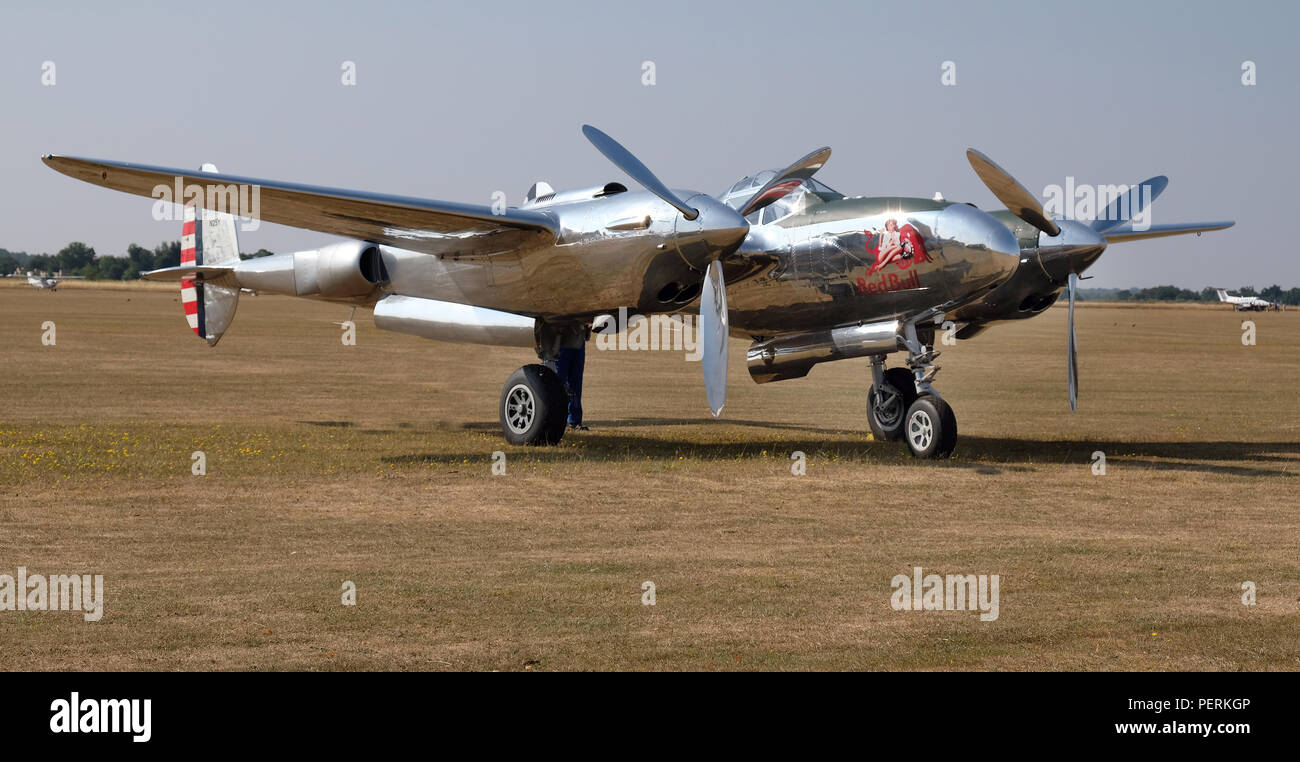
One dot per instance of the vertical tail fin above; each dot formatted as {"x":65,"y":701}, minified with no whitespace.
{"x":208,"y":238}
{"x":1223,"y":295}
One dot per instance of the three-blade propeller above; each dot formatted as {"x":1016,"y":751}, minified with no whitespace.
{"x":725,"y":228}
{"x":1026,"y":206}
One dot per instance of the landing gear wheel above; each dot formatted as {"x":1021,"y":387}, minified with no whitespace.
{"x":533,"y":406}
{"x":886,"y":419}
{"x":930,"y":429}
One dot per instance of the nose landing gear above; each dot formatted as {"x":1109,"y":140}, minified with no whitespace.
{"x":903,"y":405}
{"x":931,"y":428}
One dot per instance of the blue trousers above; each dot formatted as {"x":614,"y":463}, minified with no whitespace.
{"x":569,"y":365}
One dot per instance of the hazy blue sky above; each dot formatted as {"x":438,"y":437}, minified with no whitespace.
{"x":454,"y":101}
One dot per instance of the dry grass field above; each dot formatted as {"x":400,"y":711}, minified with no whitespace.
{"x":372,"y":464}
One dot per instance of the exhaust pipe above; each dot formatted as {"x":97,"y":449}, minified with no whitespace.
{"x":793,"y":355}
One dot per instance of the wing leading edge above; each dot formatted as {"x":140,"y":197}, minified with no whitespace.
{"x":1127,"y":233}
{"x":432,"y":227}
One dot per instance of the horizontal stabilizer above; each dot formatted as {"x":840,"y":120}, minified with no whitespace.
{"x":1127,"y":233}
{"x":207,"y":273}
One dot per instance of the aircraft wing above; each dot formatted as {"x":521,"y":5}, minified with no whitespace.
{"x":432,"y":227}
{"x":1127,"y":233}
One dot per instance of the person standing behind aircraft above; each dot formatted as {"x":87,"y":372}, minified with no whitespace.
{"x":570,"y":363}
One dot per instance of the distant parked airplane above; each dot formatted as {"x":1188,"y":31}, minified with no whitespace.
{"x":43,"y":281}
{"x":1243,"y":303}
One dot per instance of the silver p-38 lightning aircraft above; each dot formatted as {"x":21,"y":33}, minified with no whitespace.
{"x":807,"y":274}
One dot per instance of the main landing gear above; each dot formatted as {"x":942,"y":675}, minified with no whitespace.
{"x":902,"y":405}
{"x":534,"y":401}
{"x":534,"y":406}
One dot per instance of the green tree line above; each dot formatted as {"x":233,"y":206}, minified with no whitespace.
{"x":1273,"y":293}
{"x":79,"y":259}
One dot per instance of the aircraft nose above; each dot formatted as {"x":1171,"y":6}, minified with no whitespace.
{"x":716,"y":232}
{"x":984,"y":250}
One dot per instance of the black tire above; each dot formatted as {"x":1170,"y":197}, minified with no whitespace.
{"x":902,"y":385}
{"x":533,"y":406}
{"x":931,"y":428}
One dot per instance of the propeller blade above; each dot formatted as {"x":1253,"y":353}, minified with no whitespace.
{"x":1072,"y":348}
{"x":786,"y":180}
{"x":1129,"y":204}
{"x":713,"y":338}
{"x":1020,"y":201}
{"x":624,"y":160}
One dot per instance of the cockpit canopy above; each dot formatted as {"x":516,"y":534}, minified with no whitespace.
{"x":805,"y":194}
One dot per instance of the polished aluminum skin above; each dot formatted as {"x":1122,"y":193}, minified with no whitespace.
{"x":604,"y":256}
{"x":792,"y":355}
{"x":1045,"y":265}
{"x":812,"y":270}
{"x":448,"y":321}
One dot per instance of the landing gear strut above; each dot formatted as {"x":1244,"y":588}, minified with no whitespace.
{"x":892,"y":392}
{"x":903,"y":405}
